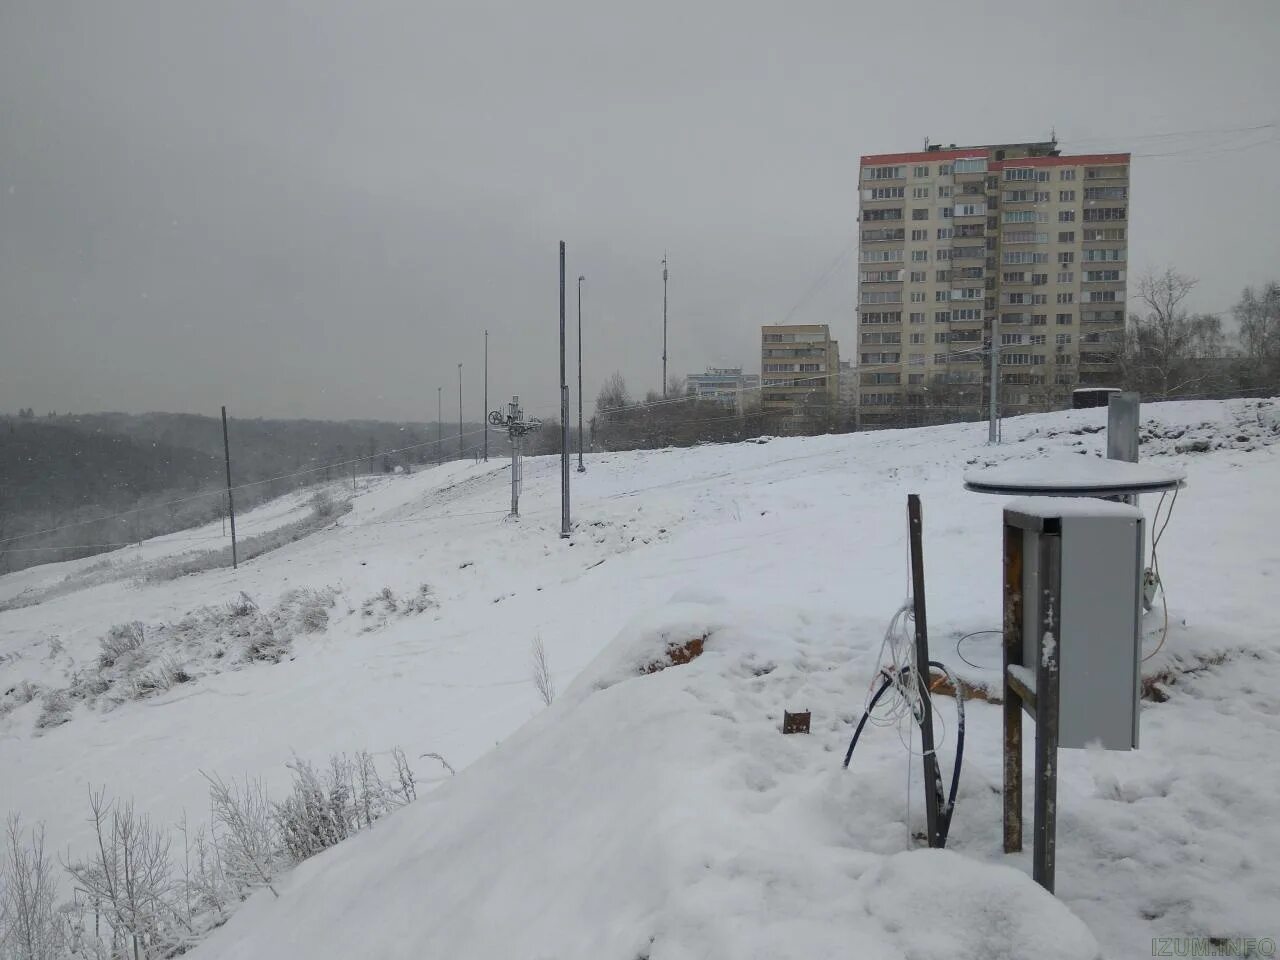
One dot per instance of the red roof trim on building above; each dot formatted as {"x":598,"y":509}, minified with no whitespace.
{"x":875,"y":159}
{"x":1078,"y":160}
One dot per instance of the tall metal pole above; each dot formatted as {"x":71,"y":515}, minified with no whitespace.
{"x":439,"y":424}
{"x":664,"y":324}
{"x":581,"y":466}
{"x":993,"y":433}
{"x":231,"y":506}
{"x":459,"y":411}
{"x":564,"y":416}
{"x":932,"y":780}
{"x":485,"y":408}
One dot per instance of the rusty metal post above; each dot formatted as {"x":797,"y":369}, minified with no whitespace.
{"x":1046,"y":789}
{"x":1012,"y":702}
{"x":932,"y":779}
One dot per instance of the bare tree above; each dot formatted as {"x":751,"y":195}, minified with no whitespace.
{"x":1258,"y":315}
{"x":613,"y":394}
{"x":29,"y":925}
{"x":1169,"y":351}
{"x":542,"y":679}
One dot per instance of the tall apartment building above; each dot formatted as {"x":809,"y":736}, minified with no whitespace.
{"x":959,"y":242}
{"x":799,"y":372}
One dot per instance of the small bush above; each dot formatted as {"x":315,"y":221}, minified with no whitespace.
{"x":55,"y":711}
{"x":322,"y":504}
{"x":121,"y":641}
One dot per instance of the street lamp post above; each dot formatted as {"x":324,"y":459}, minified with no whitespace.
{"x":581,"y":466}
{"x":439,"y":424}
{"x":460,"y":411}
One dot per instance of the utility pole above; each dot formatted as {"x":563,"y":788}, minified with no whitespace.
{"x":486,"y":393}
{"x":664,"y":324}
{"x":460,"y":454}
{"x":564,"y":416}
{"x":231,"y":506}
{"x":517,"y":427}
{"x":439,"y":424}
{"x":581,"y":466}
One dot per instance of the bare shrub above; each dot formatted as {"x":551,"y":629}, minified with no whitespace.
{"x":242,"y":606}
{"x":322,"y":506}
{"x":55,"y":710}
{"x":319,"y":812}
{"x":543,"y":682}
{"x":243,"y":832}
{"x":121,"y":642}
{"x":129,"y":880}
{"x":168,"y":674}
{"x":30,"y":927}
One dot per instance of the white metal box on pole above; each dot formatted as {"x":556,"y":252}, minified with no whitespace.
{"x":1099,"y":547}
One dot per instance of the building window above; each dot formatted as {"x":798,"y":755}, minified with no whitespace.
{"x":917,"y":235}
{"x":917,"y":276}
{"x":940,"y":337}
{"x":1066,"y":173}
{"x":919,"y":193}
{"x":1103,"y":276}
{"x":940,"y":296}
{"x":917,"y":296}
{"x":1066,"y":256}
{"x":881,"y":173}
{"x":971,"y":165}
{"x":880,"y":234}
{"x":944,"y":191}
{"x":920,"y":213}
{"x":893,"y":316}
{"x":1097,"y":214}
{"x":1106,"y":193}
{"x":1039,"y":319}
{"x":1039,"y":279}
{"x":881,"y":256}
{"x":1019,"y":173}
{"x":1067,"y":236}
{"x":914,"y":378}
{"x":1095,"y":255}
{"x":1037,"y":339}
{"x":944,"y":213}
{"x":942,"y":254}
{"x":942,"y":316}
{"x":1013,"y":276}
{"x":969,"y":210}
{"x":920,"y":172}
{"x":915,"y":359}
{"x":1062,"y":338}
{"x":1066,"y":298}
{"x":881,"y":276}
{"x":946,"y":233}
{"x":919,"y":256}
{"x":967,"y":313}
{"x":1104,"y":233}
{"x":1038,"y":299}
{"x":1100,"y":296}
{"x":941,"y":276}
{"x":1064,"y":319}
{"x":944,"y":169}
{"x":1066,"y":216}
{"x":917,"y":317}
{"x":882,"y":296}
{"x":885,"y":193}
{"x":1067,"y":196}
{"x":917,"y":338}
{"x":1066,"y":276}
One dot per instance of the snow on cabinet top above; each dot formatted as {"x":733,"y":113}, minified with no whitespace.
{"x":1073,"y":475}
{"x":1072,"y":507}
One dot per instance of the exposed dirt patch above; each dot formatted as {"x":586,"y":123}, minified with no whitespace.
{"x":678,"y":654}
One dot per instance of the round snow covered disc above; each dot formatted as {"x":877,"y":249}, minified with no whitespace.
{"x":1073,"y":476}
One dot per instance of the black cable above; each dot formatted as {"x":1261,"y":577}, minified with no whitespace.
{"x":976,"y":633}
{"x":947,"y":805}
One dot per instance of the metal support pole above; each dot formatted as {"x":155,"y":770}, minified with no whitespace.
{"x":485,"y":408}
{"x":664,"y":325}
{"x":460,"y":452}
{"x":439,"y":424}
{"x":932,"y":780}
{"x":515,"y":474}
{"x":581,"y":466}
{"x":1013,"y":706}
{"x":231,"y":506}
{"x":993,"y":413}
{"x":564,"y":415}
{"x":1044,"y":850}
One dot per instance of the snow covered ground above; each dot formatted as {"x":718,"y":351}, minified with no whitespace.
{"x":662,"y":815}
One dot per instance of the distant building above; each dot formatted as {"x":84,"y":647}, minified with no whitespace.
{"x":725,"y":385}
{"x":1015,"y":243}
{"x":799,"y":373}
{"x":848,"y":389}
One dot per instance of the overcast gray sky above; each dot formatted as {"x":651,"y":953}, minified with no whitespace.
{"x":315,"y":208}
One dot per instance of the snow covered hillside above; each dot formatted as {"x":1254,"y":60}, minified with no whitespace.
{"x":661,"y":814}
